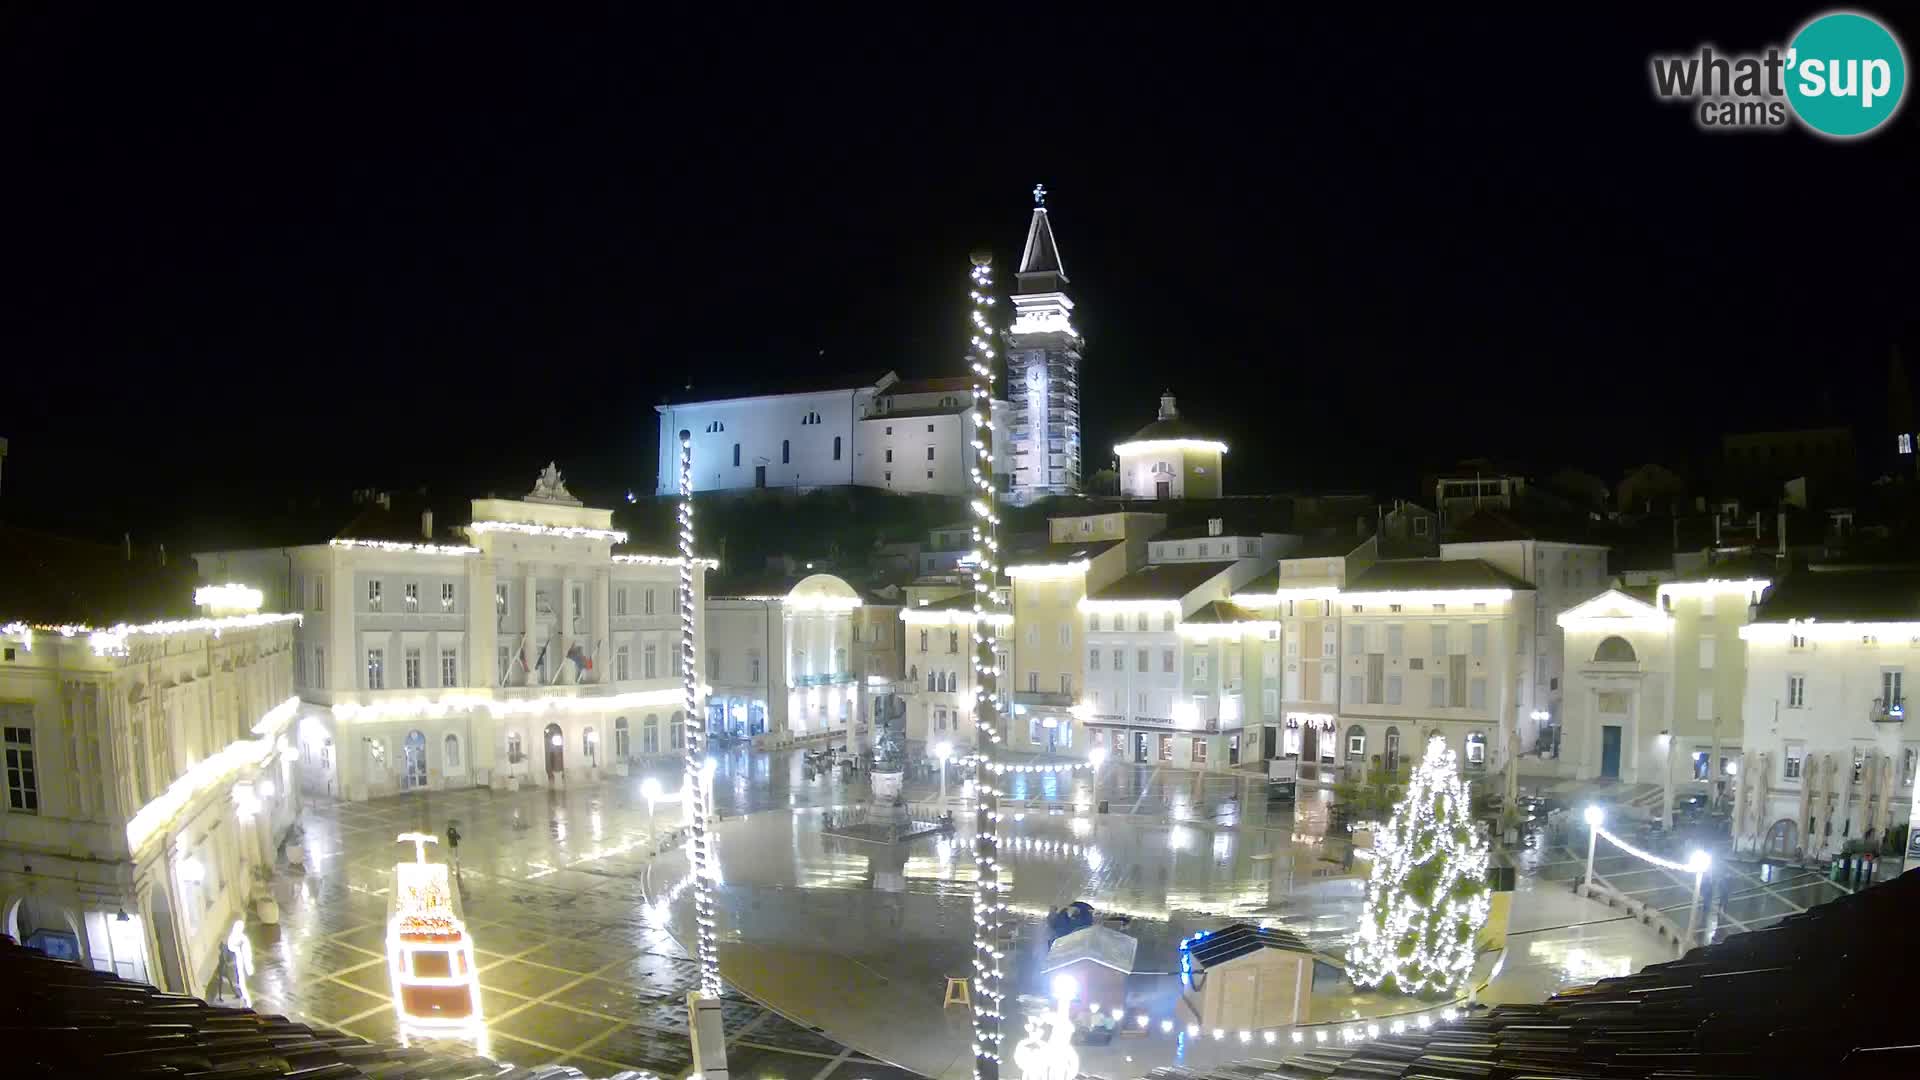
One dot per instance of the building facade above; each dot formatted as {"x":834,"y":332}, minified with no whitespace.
{"x":1043,"y":370}
{"x":149,"y":777}
{"x":814,"y":661}
{"x":913,"y":437}
{"x":938,"y":690}
{"x":1828,"y":758}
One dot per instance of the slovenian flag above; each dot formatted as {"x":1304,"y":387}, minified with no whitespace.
{"x":579,"y":658}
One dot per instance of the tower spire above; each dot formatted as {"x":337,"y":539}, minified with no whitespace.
{"x":1041,"y":270}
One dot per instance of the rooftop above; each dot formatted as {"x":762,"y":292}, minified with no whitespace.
{"x":1404,"y":574}
{"x":1232,"y":942}
{"x":1845,"y":594}
{"x":1163,"y":581}
{"x":955,"y":384}
{"x":1176,"y":427}
{"x":52,"y":580}
{"x":1525,"y":521}
{"x":1043,"y":554}
{"x":1220,"y":612}
{"x":819,"y":383}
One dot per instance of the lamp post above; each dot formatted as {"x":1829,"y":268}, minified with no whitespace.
{"x":1667,"y":818}
{"x":941,"y":752}
{"x":1595,"y":818}
{"x":1699,"y":862}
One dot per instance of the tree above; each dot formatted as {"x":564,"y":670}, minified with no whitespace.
{"x":1427,"y":896}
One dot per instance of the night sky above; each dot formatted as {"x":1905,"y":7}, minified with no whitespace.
{"x":252,"y":255}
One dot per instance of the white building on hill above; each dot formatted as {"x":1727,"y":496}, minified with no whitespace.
{"x":872,"y":430}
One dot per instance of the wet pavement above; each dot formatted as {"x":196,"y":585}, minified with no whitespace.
{"x":850,"y":941}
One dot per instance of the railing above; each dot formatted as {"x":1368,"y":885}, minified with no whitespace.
{"x":830,"y":679}
{"x":1888,"y":711}
{"x":1044,"y":698}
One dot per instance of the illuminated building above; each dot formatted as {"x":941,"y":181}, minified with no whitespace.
{"x":148,"y":767}
{"x":1043,"y":369}
{"x":524,"y":646}
{"x":873,"y":429}
{"x":810,"y":659}
{"x":1171,"y":458}
{"x":938,"y":690}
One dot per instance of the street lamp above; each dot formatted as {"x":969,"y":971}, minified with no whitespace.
{"x":1699,"y":862}
{"x":941,"y":752}
{"x":1595,"y":818}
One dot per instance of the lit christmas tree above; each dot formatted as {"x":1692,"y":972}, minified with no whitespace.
{"x":1427,"y":898}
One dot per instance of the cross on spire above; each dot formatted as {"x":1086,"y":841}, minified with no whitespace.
{"x":1039,"y":194}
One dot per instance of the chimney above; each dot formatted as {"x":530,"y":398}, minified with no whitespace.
{"x":1167,"y":411}
{"x":426,"y":524}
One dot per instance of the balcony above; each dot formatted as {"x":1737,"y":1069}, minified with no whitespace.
{"x":1888,"y":711}
{"x":1045,"y":699}
{"x":840,"y":678}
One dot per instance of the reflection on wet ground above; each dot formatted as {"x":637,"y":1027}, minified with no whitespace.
{"x":578,"y":967}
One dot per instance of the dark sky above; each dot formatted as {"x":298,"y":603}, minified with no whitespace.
{"x":256,"y":254}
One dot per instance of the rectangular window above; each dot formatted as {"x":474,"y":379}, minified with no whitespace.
{"x":23,"y":774}
{"x":320,"y":667}
{"x":500,"y":599}
{"x":836,"y":448}
{"x":1356,"y":640}
{"x":1356,"y":689}
{"x":929,"y":453}
{"x":1066,"y":684}
{"x":411,"y":595}
{"x":620,"y":601}
{"x":1477,"y":694}
{"x":503,"y":661}
{"x":1199,"y":750}
{"x":1270,"y":703}
{"x":753,"y":667}
{"x":411,"y":660}
{"x":1703,"y":705}
{"x":623,"y":663}
{"x":786,"y":451}
{"x":1200,"y":667}
{"x":1706,"y":654}
{"x":1033,"y":682}
{"x":376,"y":669}
{"x":1796,"y":691}
{"x":1479,"y":640}
{"x":1140,"y":660}
{"x":1790,"y":760}
{"x":736,"y":455}
{"x":1440,"y":639}
{"x":1356,"y":746}
{"x":373,"y":594}
{"x":1457,"y":681}
{"x":1909,"y":758}
{"x":1166,"y":622}
{"x":648,"y":602}
{"x":889,"y":456}
{"x":1066,"y":636}
{"x":953,"y":643}
{"x":1093,"y":660}
{"x":1437,"y":698}
{"x":319,"y":594}
{"x":577,"y":596}
{"x":1890,"y":687}
{"x":1166,"y":662}
{"x":1396,"y":640}
{"x":1393,"y":689}
{"x":449,"y":667}
{"x":446,"y":596}
{"x":650,"y":661}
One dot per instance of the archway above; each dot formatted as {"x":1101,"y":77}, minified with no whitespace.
{"x":1783,"y":839}
{"x":556,"y":747}
{"x":414,"y":749}
{"x":1615,"y":650}
{"x":39,"y":923}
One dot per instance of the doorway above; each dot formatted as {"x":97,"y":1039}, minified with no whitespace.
{"x":556,"y":745}
{"x":1233,"y":750}
{"x":1393,"y":751}
{"x":1270,"y":743}
{"x":1140,"y":747}
{"x":759,"y":476}
{"x":1610,"y":752}
{"x":1162,"y":489}
{"x":414,"y":751}
{"x":1310,"y":742}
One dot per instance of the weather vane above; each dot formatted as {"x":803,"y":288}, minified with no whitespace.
{"x":1039,"y":194}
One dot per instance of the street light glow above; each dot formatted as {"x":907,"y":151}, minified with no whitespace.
{"x":1065,"y":988}
{"x":1595,"y":816}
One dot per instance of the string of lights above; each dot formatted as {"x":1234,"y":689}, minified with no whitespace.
{"x":989,"y":906}
{"x":699,"y":780}
{"x":1427,"y":894}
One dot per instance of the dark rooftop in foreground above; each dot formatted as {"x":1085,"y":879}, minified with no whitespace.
{"x":1162,"y":581}
{"x":1241,"y":939}
{"x":1391,"y":574}
{"x":1845,"y":594}
{"x":1826,"y":993}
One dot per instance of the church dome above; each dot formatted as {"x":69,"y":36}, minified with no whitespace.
{"x":1171,"y":426}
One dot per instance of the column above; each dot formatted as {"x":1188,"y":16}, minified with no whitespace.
{"x":529,"y":648}
{"x":601,"y":648}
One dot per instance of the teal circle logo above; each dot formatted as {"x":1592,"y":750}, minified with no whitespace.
{"x":1845,"y":74}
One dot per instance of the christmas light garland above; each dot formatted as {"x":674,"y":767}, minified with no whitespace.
{"x":699,"y":780}
{"x":1427,"y":896}
{"x":989,"y":906}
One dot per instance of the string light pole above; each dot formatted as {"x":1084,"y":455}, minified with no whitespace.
{"x":699,"y":778}
{"x":989,"y":908}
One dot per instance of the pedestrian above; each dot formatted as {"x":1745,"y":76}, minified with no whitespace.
{"x":453,"y":844}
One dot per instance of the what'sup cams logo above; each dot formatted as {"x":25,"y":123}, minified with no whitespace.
{"x":1842,"y":76}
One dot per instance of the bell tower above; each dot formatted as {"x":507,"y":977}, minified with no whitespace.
{"x":1043,"y":368}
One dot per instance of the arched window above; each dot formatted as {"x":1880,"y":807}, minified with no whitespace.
{"x":1392,"y":760}
{"x":515,"y":752}
{"x":786,"y":451}
{"x":836,"y":448}
{"x":590,"y":746}
{"x":1356,"y":742}
{"x":1614,"y":650}
{"x":933,"y":681}
{"x":650,"y":735}
{"x":674,"y":732}
{"x":451,"y":753}
{"x":621,"y":750}
{"x":913,"y":674}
